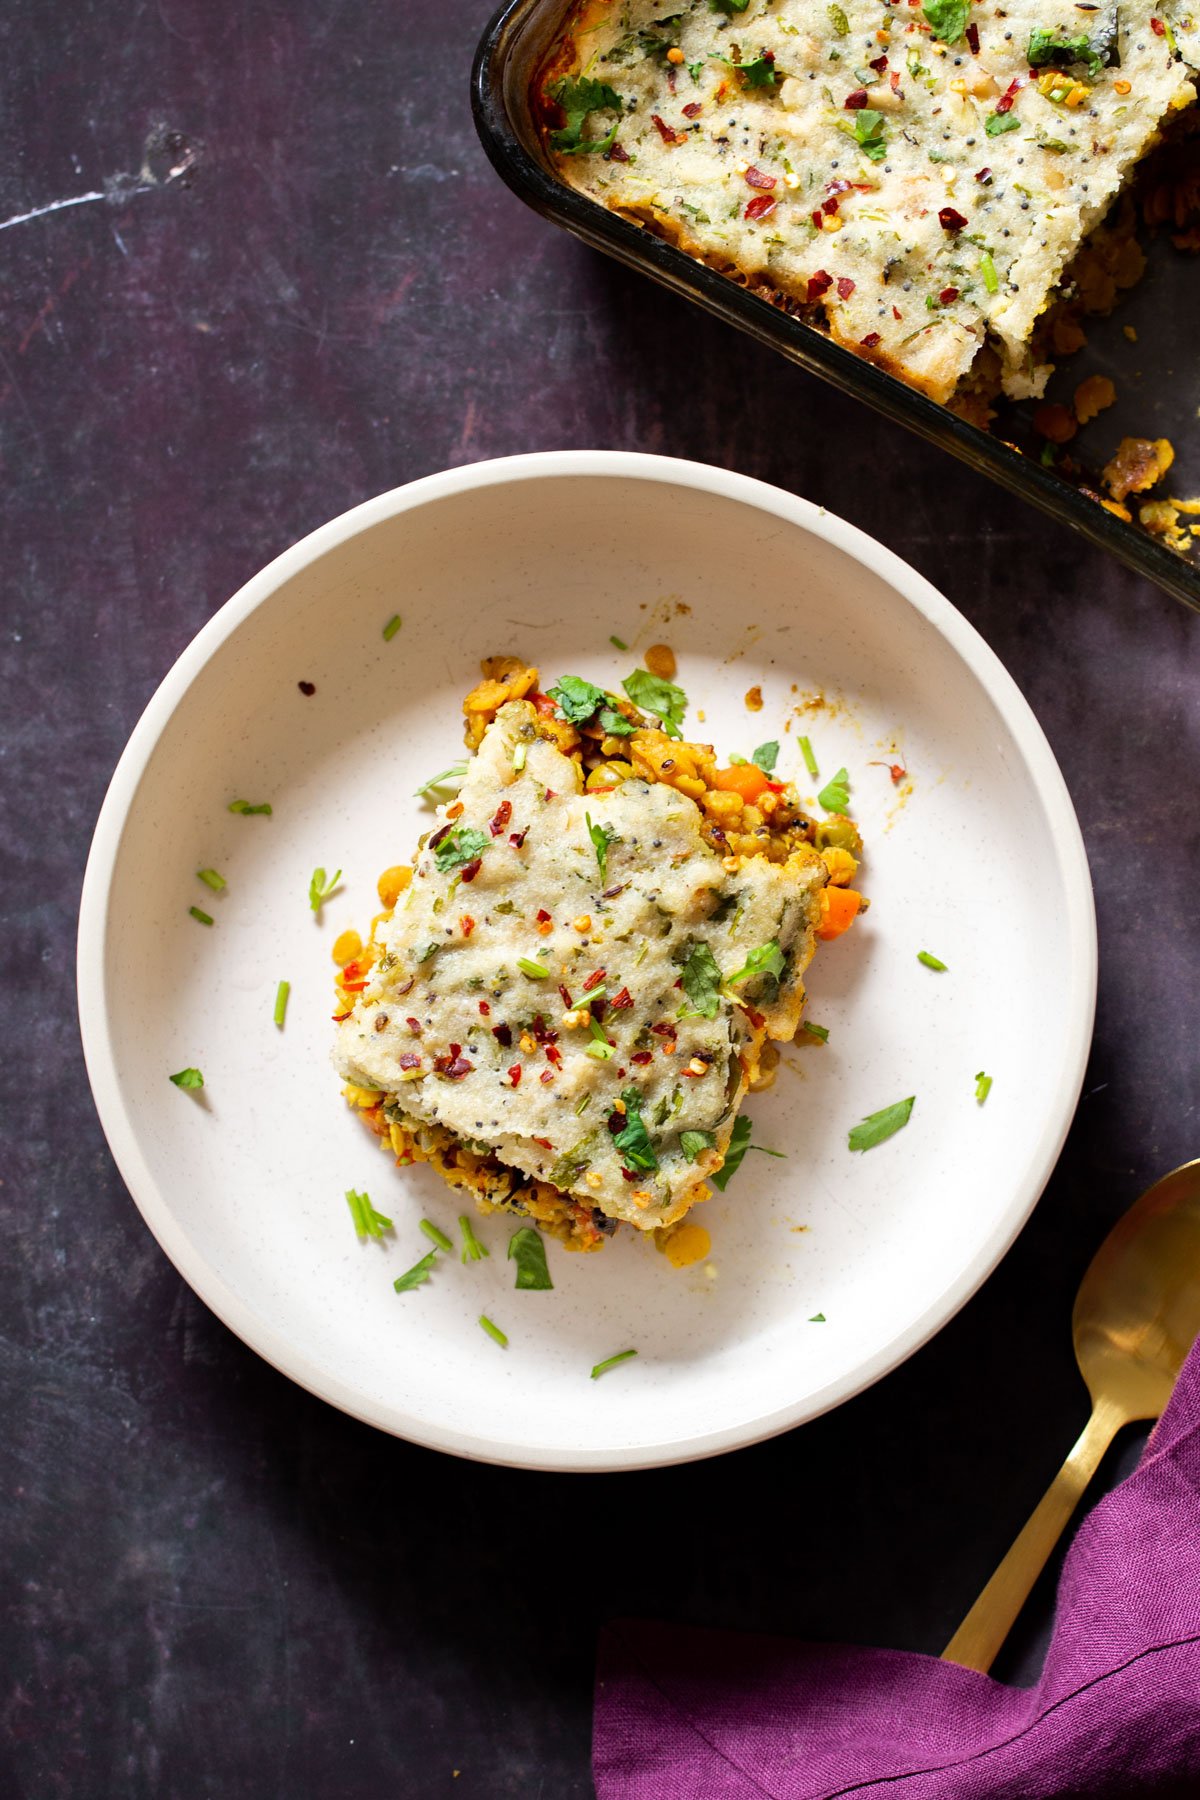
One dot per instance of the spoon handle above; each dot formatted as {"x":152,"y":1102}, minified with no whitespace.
{"x":979,"y":1637}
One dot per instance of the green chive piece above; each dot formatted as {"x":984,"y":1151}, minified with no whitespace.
{"x":367,"y":1222}
{"x":817,"y":1319}
{"x":619,"y":642}
{"x":247,"y":811}
{"x":416,"y":1276}
{"x":820,"y":1032}
{"x":201,"y":918}
{"x":983,"y":1086}
{"x":611,"y":1362}
{"x":281,"y":1000}
{"x":450,"y":780}
{"x":211,"y":879}
{"x":519,"y":758}
{"x":536,"y":971}
{"x":880,"y":1125}
{"x":810,"y":761}
{"x":188,"y":1078}
{"x":987,"y":269}
{"x":435,"y":1236}
{"x":391,"y":628}
{"x":493,"y":1331}
{"x":473,"y":1250}
{"x":319,"y":888}
{"x":930,"y":961}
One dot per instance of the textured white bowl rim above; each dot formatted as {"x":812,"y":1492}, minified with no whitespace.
{"x":1068,"y":849}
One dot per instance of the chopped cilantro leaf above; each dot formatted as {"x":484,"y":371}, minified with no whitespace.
{"x":739,"y":1143}
{"x":211,"y":879}
{"x":367,"y":1222}
{"x":766,"y":756}
{"x":997,"y":123}
{"x":868,"y":129}
{"x":450,"y":780}
{"x":473,"y":1249}
{"x":729,"y":6}
{"x":930,"y":961}
{"x":319,"y":889}
{"x":655,"y":695}
{"x":602,"y":836}
{"x":610,"y":1362}
{"x":817,"y":1319}
{"x":947,"y":19}
{"x":459,"y":848}
{"x":201,"y":918}
{"x":693,"y":1142}
{"x":435,"y":1236}
{"x":493,"y":1331}
{"x":577,"y":700}
{"x":281,"y":1000}
{"x":188,"y":1078}
{"x":983,"y":1086}
{"x":835,"y":795}
{"x":247,"y":811}
{"x":526,"y":1249}
{"x":880,"y":1125}
{"x":761,"y":73}
{"x":701,"y":979}
{"x":633,"y":1140}
{"x":391,"y":628}
{"x":767,"y":960}
{"x":1061,"y":50}
{"x":414,"y":1277}
{"x":578,"y":100}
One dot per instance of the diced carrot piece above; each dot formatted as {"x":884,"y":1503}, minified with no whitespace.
{"x":839,"y":909}
{"x":743,"y":778}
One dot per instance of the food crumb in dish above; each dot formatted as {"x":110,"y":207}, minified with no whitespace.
{"x":690,"y":1244}
{"x":307,"y":688}
{"x":754,"y":699}
{"x":1136,"y":465}
{"x":660,"y":660}
{"x":346,"y":947}
{"x":1092,"y":396}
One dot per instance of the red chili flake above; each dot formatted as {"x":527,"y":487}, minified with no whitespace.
{"x":338,"y":1017}
{"x":565,"y":992}
{"x":896,"y":313}
{"x":545,"y":705}
{"x":517,"y":838}
{"x":894,"y":78}
{"x":503,"y":815}
{"x":897,"y":771}
{"x":554,"y":1055}
{"x":755,"y":1018}
{"x":542,"y":1031}
{"x":615,"y":1122}
{"x":414,"y":1025}
{"x":542,"y":916}
{"x":629,"y":1175}
{"x":665,"y":1030}
{"x":307,"y":688}
{"x":664,"y":131}
{"x":410,"y":1060}
{"x":816,"y":219}
{"x":544,"y":1142}
{"x":973,"y":39}
{"x":354,"y":987}
{"x":983,"y":174}
{"x":759,"y":179}
{"x":643,"y":1056}
{"x":856,"y":101}
{"x":845,"y":288}
{"x":830,"y":206}
{"x":351,"y":971}
{"x":514,"y":1075}
{"x":468,"y":924}
{"x":438,"y":835}
{"x":761,"y":207}
{"x":880,"y":63}
{"x":624,"y":998}
{"x":546,"y":1077}
{"x":1005,"y":102}
{"x":550,"y":794}
{"x":870,"y":341}
{"x":593,"y":980}
{"x":484,"y":1008}
{"x":949,"y":220}
{"x":692,"y":110}
{"x":1158,"y":28}
{"x":819,"y":284}
{"x":617,"y":153}
{"x":502,"y":1035}
{"x":947,"y":295}
{"x":471,"y":869}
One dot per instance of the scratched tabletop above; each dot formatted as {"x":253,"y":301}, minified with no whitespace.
{"x":254,"y":268}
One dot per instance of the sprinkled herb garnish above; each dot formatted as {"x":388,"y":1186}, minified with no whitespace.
{"x":391,"y":628}
{"x":319,"y":888}
{"x":188,"y":1078}
{"x":247,"y":810}
{"x":580,"y":701}
{"x":493,"y":1331}
{"x":602,"y":836}
{"x":526,"y":1249}
{"x":701,"y":980}
{"x":578,"y":99}
{"x":761,"y":73}
{"x":838,"y":20}
{"x":417,"y":1275}
{"x":367,"y":1222}
{"x":880,"y":1125}
{"x":835,"y":795}
{"x":211,"y":879}
{"x":817,"y":1319}
{"x":983,"y":1086}
{"x":654,"y":695}
{"x":868,"y":129}
{"x":1058,"y":49}
{"x":766,"y":756}
{"x":449,"y":781}
{"x":460,"y":847}
{"x":947,"y":19}
{"x":997,"y":123}
{"x":610,"y":1362}
{"x":930,"y":961}
{"x":536,"y":971}
{"x":768,"y":960}
{"x":281,"y":1000}
{"x":599,"y":1047}
{"x":519,"y":758}
{"x":987,"y":269}
{"x":633,"y":1140}
{"x":201,"y":918}
{"x":810,"y":761}
{"x":693,"y":1142}
{"x":820,"y":1032}
{"x":619,"y":642}
{"x":739,"y":1143}
{"x":435,"y":1236}
{"x":473,"y":1250}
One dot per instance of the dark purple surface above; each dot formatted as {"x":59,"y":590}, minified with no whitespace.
{"x":211,"y":1583}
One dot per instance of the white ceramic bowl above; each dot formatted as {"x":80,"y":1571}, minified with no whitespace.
{"x":547,"y":556}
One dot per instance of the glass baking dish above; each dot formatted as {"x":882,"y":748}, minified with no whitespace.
{"x":1146,"y":346}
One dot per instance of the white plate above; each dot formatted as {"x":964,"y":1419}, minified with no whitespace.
{"x":547,"y":555}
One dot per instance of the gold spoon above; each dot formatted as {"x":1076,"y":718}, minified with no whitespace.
{"x":1137,"y":1314}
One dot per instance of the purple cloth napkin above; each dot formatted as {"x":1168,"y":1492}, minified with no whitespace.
{"x":685,"y":1714}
